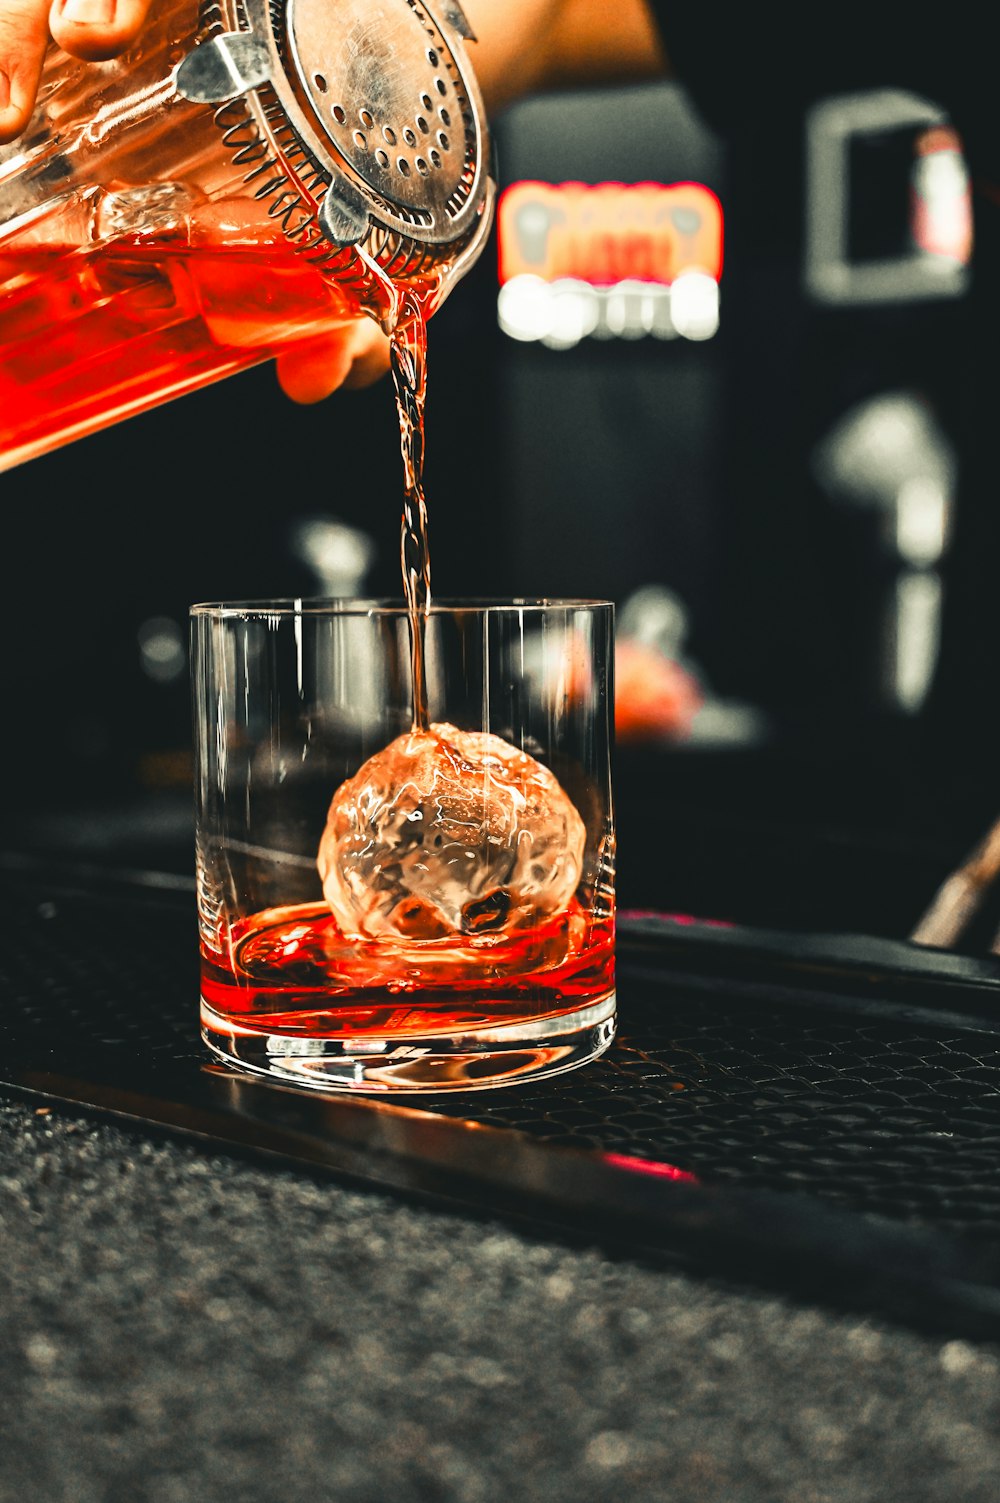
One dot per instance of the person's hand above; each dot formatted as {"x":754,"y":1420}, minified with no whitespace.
{"x":350,"y":357}
{"x":88,"y":29}
{"x":94,"y":30}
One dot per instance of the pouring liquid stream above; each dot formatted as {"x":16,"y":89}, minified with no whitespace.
{"x":408,"y":355}
{"x":403,"y":313}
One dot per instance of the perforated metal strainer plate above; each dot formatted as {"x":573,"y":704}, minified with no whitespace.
{"x":363,"y":114}
{"x":388,"y":94}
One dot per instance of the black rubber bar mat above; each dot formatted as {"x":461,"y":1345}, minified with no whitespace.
{"x":819,"y":1115}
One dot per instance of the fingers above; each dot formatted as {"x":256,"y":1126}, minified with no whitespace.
{"x":96,"y":29}
{"x":355,"y":356}
{"x":89,"y":29}
{"x":371,"y":360}
{"x":24,"y":36}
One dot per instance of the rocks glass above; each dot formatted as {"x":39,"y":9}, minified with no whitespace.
{"x":396,"y":906}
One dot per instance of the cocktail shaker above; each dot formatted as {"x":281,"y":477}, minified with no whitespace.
{"x":250,"y":174}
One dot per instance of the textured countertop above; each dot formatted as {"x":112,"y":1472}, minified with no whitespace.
{"x":181,"y":1325}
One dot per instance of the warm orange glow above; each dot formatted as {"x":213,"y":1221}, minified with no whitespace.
{"x":610,"y":232}
{"x":655,"y":697}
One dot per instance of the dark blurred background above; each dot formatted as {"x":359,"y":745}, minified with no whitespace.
{"x":775,"y":477}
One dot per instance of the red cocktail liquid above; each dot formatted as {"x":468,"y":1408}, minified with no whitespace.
{"x":290,"y":971}
{"x":94,"y":334}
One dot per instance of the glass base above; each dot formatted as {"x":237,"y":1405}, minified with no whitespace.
{"x":474,"y":1061}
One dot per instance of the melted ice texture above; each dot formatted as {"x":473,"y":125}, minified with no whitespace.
{"x":448,"y":832}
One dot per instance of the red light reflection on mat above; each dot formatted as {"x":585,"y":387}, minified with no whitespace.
{"x":683,"y":920}
{"x":650,"y":1166}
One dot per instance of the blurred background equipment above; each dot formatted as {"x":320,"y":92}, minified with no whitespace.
{"x":888,"y":203}
{"x":660,"y":694}
{"x":610,"y":246}
{"x":339,"y":556}
{"x":890,"y":460}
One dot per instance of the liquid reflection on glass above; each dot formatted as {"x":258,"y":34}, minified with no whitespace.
{"x":390,"y":905}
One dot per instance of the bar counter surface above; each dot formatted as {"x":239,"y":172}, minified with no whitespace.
{"x":692,"y":1270}
{"x":184,"y":1325}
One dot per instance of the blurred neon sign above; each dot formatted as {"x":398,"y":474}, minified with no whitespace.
{"x":609,"y":260}
{"x":609,"y":232}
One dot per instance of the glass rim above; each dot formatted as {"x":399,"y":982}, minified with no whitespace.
{"x":366,"y":608}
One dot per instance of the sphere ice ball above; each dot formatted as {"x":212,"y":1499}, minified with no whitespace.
{"x":448,"y":832}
